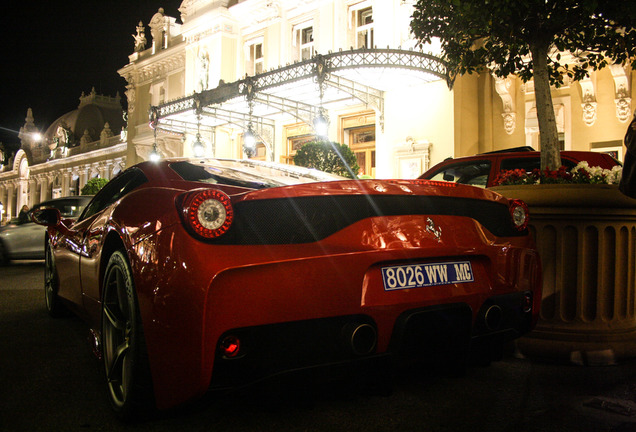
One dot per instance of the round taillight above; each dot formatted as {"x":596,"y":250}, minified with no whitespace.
{"x":230,"y":346}
{"x":208,"y":212}
{"x":519,"y":213}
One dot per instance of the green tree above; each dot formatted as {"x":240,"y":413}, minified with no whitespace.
{"x":328,"y":156}
{"x":93,"y":186}
{"x":544,"y":40}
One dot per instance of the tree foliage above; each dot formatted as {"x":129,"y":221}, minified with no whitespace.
{"x":544,"y":40}
{"x":93,"y":186}
{"x":328,"y":156}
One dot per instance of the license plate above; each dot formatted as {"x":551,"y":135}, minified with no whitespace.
{"x":425,"y":275}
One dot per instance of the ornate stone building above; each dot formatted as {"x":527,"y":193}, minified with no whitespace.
{"x":82,"y":144}
{"x":258,"y":78}
{"x":272,"y":69}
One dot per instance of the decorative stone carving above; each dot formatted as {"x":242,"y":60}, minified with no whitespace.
{"x":131,"y":96}
{"x":203,"y":63}
{"x":621,"y":89}
{"x":503,"y":87}
{"x":623,"y":108}
{"x":140,"y":38}
{"x":105,"y":134}
{"x":157,"y":29}
{"x":412,"y":157}
{"x":86,"y":138}
{"x":589,"y":112}
{"x":510,"y":121}
{"x":63,"y":137}
{"x":588,"y":97}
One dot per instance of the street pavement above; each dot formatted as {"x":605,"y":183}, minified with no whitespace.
{"x":49,"y":381}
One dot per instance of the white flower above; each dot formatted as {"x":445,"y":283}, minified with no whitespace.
{"x":582,"y":165}
{"x":613,"y":176}
{"x":598,"y":174}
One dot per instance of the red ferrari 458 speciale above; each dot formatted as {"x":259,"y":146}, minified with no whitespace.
{"x":210,"y":274}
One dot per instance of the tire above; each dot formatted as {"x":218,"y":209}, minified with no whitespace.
{"x":54,"y":305}
{"x":4,"y":258}
{"x":124,"y":347}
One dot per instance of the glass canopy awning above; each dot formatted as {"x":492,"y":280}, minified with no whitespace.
{"x":302,"y":91}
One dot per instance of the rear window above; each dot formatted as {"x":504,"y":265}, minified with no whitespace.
{"x":474,"y":173}
{"x":114,"y":190}
{"x":248,"y":174}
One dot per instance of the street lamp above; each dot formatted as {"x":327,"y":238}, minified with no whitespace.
{"x":154,"y":153}
{"x":249,"y":141}
{"x":197,"y":146}
{"x":321,"y":125}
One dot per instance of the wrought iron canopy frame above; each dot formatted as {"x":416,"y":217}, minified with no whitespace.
{"x":297,"y":89}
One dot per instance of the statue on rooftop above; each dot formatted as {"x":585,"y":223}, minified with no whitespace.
{"x":157,"y":28}
{"x":140,"y":38}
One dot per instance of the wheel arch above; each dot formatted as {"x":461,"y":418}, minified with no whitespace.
{"x":112,"y":243}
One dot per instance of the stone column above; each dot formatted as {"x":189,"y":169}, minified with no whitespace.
{"x":83,"y":177}
{"x":9,"y":210}
{"x":22,"y":196}
{"x":3,"y":200}
{"x":43,"y":187}
{"x":102,"y":168}
{"x":66,"y":182}
{"x":34,"y":190}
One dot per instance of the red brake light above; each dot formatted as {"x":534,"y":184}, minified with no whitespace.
{"x":520,"y":214}
{"x":230,"y":346}
{"x":208,"y":212}
{"x":424,"y":182}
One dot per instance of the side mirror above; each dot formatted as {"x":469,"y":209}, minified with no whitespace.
{"x":47,"y":217}
{"x":449,"y":177}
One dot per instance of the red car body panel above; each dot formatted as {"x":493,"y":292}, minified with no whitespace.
{"x":191,"y":292}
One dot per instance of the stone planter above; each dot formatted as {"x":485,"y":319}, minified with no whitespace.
{"x":586,"y":236}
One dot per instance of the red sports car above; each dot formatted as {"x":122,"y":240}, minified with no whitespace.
{"x":208,"y":274}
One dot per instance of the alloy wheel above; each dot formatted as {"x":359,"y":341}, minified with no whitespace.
{"x":118,"y":334}
{"x":50,"y":281}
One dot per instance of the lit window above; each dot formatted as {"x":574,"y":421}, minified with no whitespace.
{"x":362,"y":142}
{"x":364,"y":27}
{"x":303,"y":41}
{"x":158,"y":93}
{"x":254,"y":57}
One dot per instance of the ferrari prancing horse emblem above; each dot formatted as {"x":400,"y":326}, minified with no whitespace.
{"x":430,"y":228}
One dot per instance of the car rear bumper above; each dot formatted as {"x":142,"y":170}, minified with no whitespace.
{"x":439,"y":333}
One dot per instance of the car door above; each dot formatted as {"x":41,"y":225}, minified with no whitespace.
{"x":94,"y":225}
{"x":24,"y":241}
{"x":68,"y":250}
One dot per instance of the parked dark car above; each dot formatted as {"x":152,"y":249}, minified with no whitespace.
{"x":481,"y":170}
{"x":25,"y":239}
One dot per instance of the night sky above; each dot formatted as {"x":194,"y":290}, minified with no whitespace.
{"x":53,"y":51}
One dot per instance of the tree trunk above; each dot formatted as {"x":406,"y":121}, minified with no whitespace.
{"x":548,"y":134}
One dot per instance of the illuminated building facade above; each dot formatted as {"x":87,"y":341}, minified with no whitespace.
{"x":85,"y":143}
{"x":256,"y":78}
{"x":274,"y":70}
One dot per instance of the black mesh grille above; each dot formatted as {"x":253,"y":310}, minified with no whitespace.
{"x":309,"y":219}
